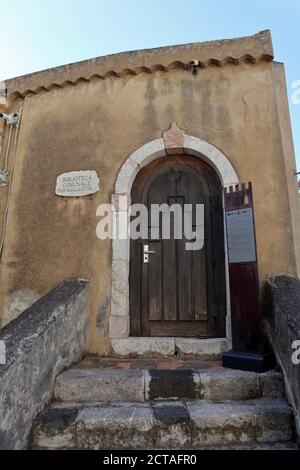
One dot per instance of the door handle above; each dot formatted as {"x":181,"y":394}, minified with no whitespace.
{"x":146,"y":253}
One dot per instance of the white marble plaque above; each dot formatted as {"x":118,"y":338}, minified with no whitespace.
{"x":77,"y":183}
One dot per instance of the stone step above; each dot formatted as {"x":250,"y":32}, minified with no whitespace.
{"x":164,"y":425}
{"x":288,"y":445}
{"x":140,"y":385}
{"x":202,"y":348}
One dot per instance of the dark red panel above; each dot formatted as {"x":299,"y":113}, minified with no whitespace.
{"x":243,"y":270}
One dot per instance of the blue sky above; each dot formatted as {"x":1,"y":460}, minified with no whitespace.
{"x":35,"y":35}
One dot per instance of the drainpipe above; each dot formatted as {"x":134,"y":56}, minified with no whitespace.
{"x":3,"y":107}
{"x":10,"y":121}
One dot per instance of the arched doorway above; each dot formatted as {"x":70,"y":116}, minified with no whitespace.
{"x":178,"y":292}
{"x":119,"y":318}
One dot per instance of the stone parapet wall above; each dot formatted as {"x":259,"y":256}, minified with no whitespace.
{"x":45,"y":339}
{"x":282,"y":305}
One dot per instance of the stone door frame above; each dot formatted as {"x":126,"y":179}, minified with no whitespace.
{"x":173,"y":141}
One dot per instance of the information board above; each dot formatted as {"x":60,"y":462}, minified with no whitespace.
{"x":240,"y":233}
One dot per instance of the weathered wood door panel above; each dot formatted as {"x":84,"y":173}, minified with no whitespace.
{"x":179,"y":292}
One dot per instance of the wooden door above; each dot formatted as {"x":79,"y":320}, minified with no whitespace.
{"x":179,"y":292}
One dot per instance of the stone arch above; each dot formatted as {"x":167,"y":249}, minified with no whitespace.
{"x":174,"y":141}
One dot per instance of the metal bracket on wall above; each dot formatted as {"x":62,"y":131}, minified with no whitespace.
{"x":10,"y":119}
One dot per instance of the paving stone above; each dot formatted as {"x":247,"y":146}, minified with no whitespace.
{"x":137,"y":380}
{"x":166,"y":425}
{"x":216,"y":424}
{"x":146,"y":347}
{"x":225,"y":384}
{"x":171,"y":364}
{"x":55,"y":427}
{"x":171,"y":384}
{"x":202,"y":348}
{"x":201,"y":364}
{"x":272,"y":384}
{"x":261,"y":420}
{"x":122,"y":426}
{"x":123,"y":365}
{"x":172,"y":426}
{"x":275,"y":421}
{"x":100,"y":385}
{"x":94,"y":362}
{"x":143,"y":364}
{"x":255,"y":446}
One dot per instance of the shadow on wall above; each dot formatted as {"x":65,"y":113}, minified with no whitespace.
{"x":17,"y":302}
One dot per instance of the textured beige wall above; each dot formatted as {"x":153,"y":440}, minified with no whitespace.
{"x":289,"y":156}
{"x":97,"y":125}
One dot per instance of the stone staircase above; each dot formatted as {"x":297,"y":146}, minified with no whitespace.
{"x":166,"y":403}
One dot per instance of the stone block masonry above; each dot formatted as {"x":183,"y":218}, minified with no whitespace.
{"x":163,"y":425}
{"x":44,"y":340}
{"x":138,"y":385}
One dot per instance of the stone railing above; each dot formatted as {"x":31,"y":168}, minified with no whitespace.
{"x":35,"y":347}
{"x":282,"y":314}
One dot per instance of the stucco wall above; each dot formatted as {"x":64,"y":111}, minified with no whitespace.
{"x":97,"y":125}
{"x":289,"y":155}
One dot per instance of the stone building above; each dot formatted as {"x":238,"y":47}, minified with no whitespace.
{"x":193,"y":123}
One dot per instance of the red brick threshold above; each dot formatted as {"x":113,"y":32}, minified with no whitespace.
{"x":95,"y":362}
